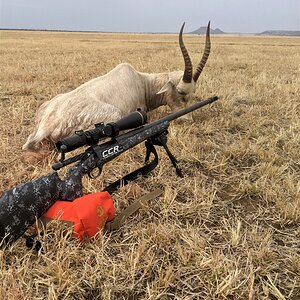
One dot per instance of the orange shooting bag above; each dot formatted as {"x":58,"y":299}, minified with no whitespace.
{"x":87,"y":214}
{"x":90,"y":213}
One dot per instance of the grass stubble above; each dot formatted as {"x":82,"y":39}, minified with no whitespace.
{"x":228,"y":230}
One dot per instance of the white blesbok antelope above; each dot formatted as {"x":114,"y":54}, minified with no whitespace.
{"x":109,"y":97}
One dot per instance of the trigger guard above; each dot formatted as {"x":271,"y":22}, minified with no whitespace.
{"x":92,"y":176}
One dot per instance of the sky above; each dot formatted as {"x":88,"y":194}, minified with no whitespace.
{"x":240,"y":16}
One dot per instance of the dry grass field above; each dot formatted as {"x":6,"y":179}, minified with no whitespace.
{"x":228,"y":230}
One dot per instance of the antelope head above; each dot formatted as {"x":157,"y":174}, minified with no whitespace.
{"x":179,"y":94}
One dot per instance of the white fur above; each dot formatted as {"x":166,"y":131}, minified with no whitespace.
{"x":104,"y":99}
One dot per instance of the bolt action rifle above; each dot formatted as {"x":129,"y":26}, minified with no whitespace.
{"x":22,"y":205}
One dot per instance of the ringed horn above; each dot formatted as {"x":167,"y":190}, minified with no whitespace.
{"x":188,"y":70}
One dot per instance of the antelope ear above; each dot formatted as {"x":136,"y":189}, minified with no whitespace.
{"x":169,"y":85}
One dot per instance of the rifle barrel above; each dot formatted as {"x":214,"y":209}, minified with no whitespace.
{"x":187,"y":110}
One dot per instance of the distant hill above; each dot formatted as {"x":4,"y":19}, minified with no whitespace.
{"x":280,"y":32}
{"x":202,"y":30}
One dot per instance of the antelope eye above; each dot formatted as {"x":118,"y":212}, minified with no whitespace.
{"x":182,"y":93}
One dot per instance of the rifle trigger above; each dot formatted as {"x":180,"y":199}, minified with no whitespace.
{"x":97,"y":174}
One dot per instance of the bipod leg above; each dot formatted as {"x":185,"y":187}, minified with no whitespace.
{"x":173,"y":160}
{"x":150,"y":149}
{"x":162,"y":141}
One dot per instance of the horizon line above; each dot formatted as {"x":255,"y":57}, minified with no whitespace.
{"x":149,"y":32}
